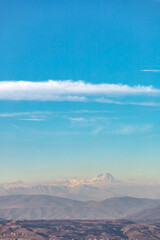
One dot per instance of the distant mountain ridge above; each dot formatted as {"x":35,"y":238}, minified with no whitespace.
{"x":105,"y":178}
{"x":49,"y":207}
{"x":97,"y":188}
{"x":147,"y":215}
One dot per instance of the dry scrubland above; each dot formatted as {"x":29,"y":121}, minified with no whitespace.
{"x":76,"y":229}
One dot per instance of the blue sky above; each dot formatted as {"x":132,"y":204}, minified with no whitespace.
{"x":79,"y":89}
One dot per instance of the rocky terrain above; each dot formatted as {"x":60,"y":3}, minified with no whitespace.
{"x":78,"y":230}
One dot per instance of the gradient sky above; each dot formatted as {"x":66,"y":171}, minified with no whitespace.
{"x":81,"y":128}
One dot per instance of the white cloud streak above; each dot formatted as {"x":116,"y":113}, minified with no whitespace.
{"x":98,"y":130}
{"x":67,"y":90}
{"x":131,"y":129}
{"x":150,"y":70}
{"x":77,"y":119}
{"x":27,"y":116}
{"x":32,"y":119}
{"x":19,"y":114}
{"x":105,"y":100}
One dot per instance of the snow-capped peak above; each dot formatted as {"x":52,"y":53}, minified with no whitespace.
{"x":18,"y":181}
{"x":103,"y":178}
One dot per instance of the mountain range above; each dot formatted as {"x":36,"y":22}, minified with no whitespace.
{"x":101,"y":179}
{"x":98,"y":188}
{"x":49,"y":207}
{"x":147,"y":215}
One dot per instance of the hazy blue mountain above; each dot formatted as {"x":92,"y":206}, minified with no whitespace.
{"x":147,"y":215}
{"x":49,"y":207}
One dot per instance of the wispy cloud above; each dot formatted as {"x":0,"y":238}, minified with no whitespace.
{"x":105,"y":100}
{"x":19,"y":114}
{"x":98,"y":130}
{"x":92,"y":119}
{"x":91,"y":111}
{"x":67,"y":90}
{"x":150,"y":70}
{"x":27,"y":116}
{"x":131,"y":129}
{"x":77,"y":119}
{"x":32,"y":119}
